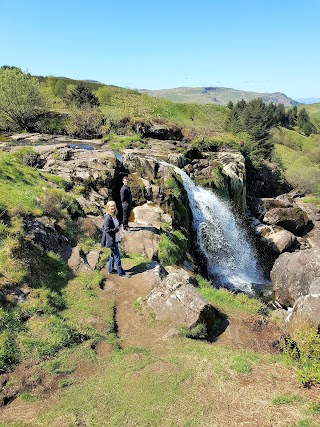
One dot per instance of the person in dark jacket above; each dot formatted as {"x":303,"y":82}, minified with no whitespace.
{"x":126,"y":200}
{"x":111,"y":238}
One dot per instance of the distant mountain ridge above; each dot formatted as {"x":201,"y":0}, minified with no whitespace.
{"x":217,"y":95}
{"x":308,"y":100}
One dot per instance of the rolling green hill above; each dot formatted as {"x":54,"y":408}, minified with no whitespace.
{"x":217,"y":95}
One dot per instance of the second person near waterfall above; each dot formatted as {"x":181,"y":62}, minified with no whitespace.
{"x":126,"y":200}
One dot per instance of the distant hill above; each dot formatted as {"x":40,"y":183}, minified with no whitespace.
{"x":217,"y":95}
{"x":308,"y":100}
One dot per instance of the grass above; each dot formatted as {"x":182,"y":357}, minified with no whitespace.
{"x":287,"y":399}
{"x":181,"y":384}
{"x":300,"y":157}
{"x":228,"y":301}
{"x":315,"y":200}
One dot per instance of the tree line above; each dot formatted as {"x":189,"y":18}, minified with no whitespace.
{"x":257,"y":118}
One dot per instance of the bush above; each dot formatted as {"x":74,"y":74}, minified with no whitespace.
{"x":85,"y":123}
{"x":9,"y":353}
{"x":304,"y":348}
{"x":197,"y":332}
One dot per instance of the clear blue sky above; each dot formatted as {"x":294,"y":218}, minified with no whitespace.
{"x":259,"y":45}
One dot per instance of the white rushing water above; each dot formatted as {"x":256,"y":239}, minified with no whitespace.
{"x":231,"y":260}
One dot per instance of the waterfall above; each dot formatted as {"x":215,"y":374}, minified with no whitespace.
{"x":231,"y":259}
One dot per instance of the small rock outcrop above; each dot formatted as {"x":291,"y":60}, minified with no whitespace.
{"x":81,"y":263}
{"x":176,"y":299}
{"x":43,"y":232}
{"x":260,"y":207}
{"x":222,"y":171}
{"x":93,"y":170}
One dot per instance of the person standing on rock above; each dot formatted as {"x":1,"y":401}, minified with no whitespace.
{"x":111,"y":238}
{"x":126,"y":200}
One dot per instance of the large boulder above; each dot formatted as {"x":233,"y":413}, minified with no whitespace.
{"x":260,"y":206}
{"x":144,"y":233}
{"x":176,"y":299}
{"x":292,"y":219}
{"x":158,"y":131}
{"x":293,"y":274}
{"x":278,"y":239}
{"x":143,"y":240}
{"x":306,"y":312}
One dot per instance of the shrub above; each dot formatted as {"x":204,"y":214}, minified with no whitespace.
{"x":304,"y":348}
{"x":9,"y":353}
{"x":197,"y":332}
{"x":85,"y":123}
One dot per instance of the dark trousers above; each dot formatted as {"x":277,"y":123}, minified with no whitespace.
{"x":126,"y":213}
{"x":115,"y":259}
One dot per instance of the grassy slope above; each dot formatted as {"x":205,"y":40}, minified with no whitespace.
{"x":300,"y":157}
{"x":118,"y":103}
{"x":49,"y":319}
{"x":314,"y":112}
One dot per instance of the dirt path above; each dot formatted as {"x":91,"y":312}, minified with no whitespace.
{"x":135,"y":326}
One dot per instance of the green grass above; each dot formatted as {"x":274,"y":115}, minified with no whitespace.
{"x":19,"y":186}
{"x":315,"y":200}
{"x":300,"y":157}
{"x":227,"y":301}
{"x":136,"y":386}
{"x":314,"y":113}
{"x":287,"y":399}
{"x":28,"y":397}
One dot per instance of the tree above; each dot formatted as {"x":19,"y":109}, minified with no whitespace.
{"x":230,"y":105}
{"x":82,"y":96}
{"x":104,"y":94}
{"x":21,"y":100}
{"x":280,"y":116}
{"x":292,"y":116}
{"x":304,"y":123}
